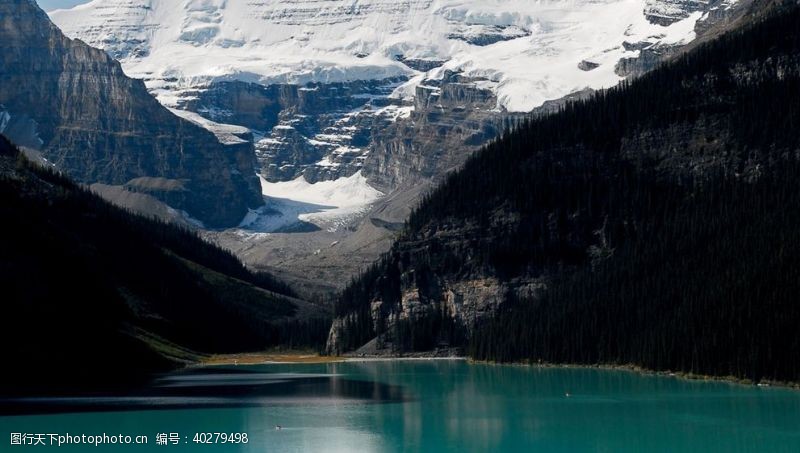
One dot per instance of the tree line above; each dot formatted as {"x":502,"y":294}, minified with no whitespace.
{"x":659,"y":213}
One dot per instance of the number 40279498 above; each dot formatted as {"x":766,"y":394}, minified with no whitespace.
{"x":220,"y":438}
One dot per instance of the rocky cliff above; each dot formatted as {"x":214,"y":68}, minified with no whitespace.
{"x":74,"y":104}
{"x":565,"y":193}
{"x":320,"y":131}
{"x":329,"y":86}
{"x":716,"y":16}
{"x":402,"y":91}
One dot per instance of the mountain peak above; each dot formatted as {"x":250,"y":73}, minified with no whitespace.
{"x":529,"y":52}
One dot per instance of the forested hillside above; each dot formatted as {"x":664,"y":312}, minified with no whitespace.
{"x":91,"y":291}
{"x":653,"y":224}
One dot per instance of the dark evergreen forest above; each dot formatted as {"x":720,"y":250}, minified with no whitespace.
{"x":663,"y":215}
{"x":91,"y":290}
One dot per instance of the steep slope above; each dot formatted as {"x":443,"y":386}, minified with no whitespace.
{"x":75,"y":105}
{"x":272,"y":42}
{"x":654,"y":223}
{"x":94,"y":295}
{"x":310,"y":73}
{"x":400,"y":91}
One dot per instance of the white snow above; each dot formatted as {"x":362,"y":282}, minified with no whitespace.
{"x":327,"y":162}
{"x":5,"y":118}
{"x":177,"y":45}
{"x":227,"y":134}
{"x":329,"y":205}
{"x":395,"y":112}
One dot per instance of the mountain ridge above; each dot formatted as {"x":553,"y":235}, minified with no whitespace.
{"x":83,"y":114}
{"x":361,"y":66}
{"x":446,"y":71}
{"x":608,"y":232}
{"x":95,"y":296}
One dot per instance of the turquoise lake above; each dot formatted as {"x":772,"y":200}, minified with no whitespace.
{"x":426,"y":405}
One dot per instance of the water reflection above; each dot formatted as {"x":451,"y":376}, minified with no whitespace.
{"x":513,"y":408}
{"x":220,"y":387}
{"x":446,"y":406}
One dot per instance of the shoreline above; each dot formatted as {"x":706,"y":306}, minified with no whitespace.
{"x":272,"y":358}
{"x":404,"y":359}
{"x":265,"y":358}
{"x":630,"y":368}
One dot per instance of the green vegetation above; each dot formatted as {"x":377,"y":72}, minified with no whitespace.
{"x":662,"y":214}
{"x":92,"y":292}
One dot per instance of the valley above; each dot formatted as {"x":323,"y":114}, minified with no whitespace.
{"x":398,"y":92}
{"x":410,"y":225}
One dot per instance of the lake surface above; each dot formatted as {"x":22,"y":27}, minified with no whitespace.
{"x":432,"y":406}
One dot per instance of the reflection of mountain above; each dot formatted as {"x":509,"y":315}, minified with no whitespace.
{"x":216,"y":388}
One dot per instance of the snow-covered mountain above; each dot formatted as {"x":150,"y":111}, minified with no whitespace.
{"x":74,"y":107}
{"x":528,"y":51}
{"x":337,"y":69}
{"x":393,"y":93}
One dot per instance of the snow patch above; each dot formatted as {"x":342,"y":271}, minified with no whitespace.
{"x":5,"y":118}
{"x":227,"y":134}
{"x":328,"y":205}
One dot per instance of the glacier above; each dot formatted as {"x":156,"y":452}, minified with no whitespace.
{"x":528,"y":51}
{"x":357,"y":107}
{"x":328,"y":205}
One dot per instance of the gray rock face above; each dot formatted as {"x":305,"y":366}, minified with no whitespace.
{"x":667,"y":12}
{"x":485,"y":35}
{"x":649,"y":57}
{"x":466,"y":299}
{"x":452,"y":118}
{"x":98,"y":125}
{"x":586,"y":65}
{"x":420,"y":64}
{"x":717,"y":16}
{"x":328,"y":131}
{"x":319,"y":131}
